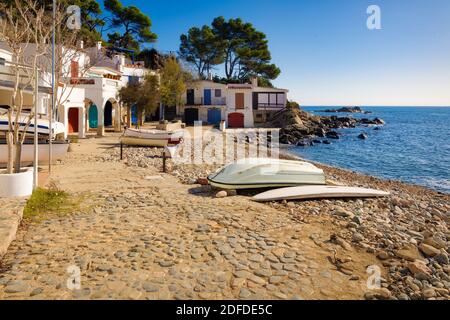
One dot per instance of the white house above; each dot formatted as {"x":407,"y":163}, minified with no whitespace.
{"x":204,"y":101}
{"x":239,"y":105}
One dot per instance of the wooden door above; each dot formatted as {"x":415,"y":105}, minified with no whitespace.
{"x":239,"y":100}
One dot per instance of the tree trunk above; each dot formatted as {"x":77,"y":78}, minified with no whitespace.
{"x":128,"y":116}
{"x":18,"y":156}
{"x":139,"y":119}
{"x":10,"y":143}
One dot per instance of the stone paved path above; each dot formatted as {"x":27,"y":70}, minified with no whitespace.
{"x":151,"y":237}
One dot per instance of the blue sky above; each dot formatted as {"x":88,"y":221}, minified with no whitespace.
{"x":325,"y":51}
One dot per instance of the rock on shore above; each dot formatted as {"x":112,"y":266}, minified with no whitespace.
{"x":299,"y":127}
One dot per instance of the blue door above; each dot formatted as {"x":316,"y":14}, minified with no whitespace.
{"x":207,"y":95}
{"x":214,"y":116}
{"x":134,"y":118}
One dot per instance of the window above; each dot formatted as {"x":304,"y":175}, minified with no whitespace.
{"x":133,"y":80}
{"x":217,"y":93}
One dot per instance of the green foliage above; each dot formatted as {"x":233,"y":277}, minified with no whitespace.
{"x":91,"y":20}
{"x":292,"y":104}
{"x":49,"y":201}
{"x":173,"y":82}
{"x":145,"y":95}
{"x":201,"y":48}
{"x":135,"y":24}
{"x":242,"y":49}
{"x":245,"y":49}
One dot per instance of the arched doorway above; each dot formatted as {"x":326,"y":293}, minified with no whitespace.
{"x":236,"y":120}
{"x":93,"y":116}
{"x":108,"y":116}
{"x":73,"y":120}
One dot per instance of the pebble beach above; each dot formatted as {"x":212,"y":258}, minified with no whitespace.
{"x":149,"y":235}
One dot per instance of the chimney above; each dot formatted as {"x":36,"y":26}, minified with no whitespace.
{"x":210,"y":76}
{"x":254,"y":82}
{"x":81,"y":44}
{"x":99,"y":45}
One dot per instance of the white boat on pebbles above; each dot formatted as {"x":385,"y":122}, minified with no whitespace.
{"x":152,"y":138}
{"x":318,"y":192}
{"x":266,"y":173}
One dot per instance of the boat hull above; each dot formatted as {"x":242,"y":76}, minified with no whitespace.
{"x":141,"y":142}
{"x":59,"y":151}
{"x":43,"y":125}
{"x":318,"y":192}
{"x":266,"y":173}
{"x":152,"y":138}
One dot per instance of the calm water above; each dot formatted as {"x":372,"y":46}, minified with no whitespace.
{"x":413,"y":146}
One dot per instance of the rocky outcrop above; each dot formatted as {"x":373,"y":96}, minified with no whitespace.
{"x":301,"y":128}
{"x":347,"y":110}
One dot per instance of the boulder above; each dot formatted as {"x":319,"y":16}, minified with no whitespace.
{"x":363,"y":136}
{"x":332,"y":135}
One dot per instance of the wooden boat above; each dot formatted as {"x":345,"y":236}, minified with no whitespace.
{"x":318,"y":192}
{"x":266,"y":173}
{"x":152,"y":138}
{"x":59,"y":151}
{"x":43,"y":126}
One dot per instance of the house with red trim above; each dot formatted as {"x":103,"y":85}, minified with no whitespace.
{"x":238,"y":105}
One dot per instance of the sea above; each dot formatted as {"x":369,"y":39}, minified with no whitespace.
{"x":413,"y":146}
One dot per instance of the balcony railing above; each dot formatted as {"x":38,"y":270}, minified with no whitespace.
{"x":200,"y":101}
{"x":92,"y":81}
{"x":270,"y":106}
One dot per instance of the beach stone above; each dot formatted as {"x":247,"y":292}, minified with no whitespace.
{"x":429,"y":293}
{"x":383,"y":255}
{"x":357,"y":237}
{"x":418,"y":267}
{"x":16,"y":287}
{"x":442,"y":258}
{"x":341,"y":212}
{"x":410,"y":253}
{"x":435,"y":242}
{"x":244,"y":293}
{"x":149,"y":287}
{"x":428,"y":250}
{"x":221,"y":194}
{"x":36,"y":291}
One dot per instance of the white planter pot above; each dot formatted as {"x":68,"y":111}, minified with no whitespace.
{"x":16,"y":184}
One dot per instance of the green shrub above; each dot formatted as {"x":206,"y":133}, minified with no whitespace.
{"x":48,"y":201}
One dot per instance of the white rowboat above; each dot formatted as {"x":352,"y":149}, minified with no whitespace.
{"x":318,"y":192}
{"x":43,"y":126}
{"x":152,"y":138}
{"x":59,"y":151}
{"x":266,"y":173}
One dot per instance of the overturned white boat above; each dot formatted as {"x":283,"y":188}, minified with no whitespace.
{"x":266,"y":173}
{"x":42,"y":125}
{"x":152,"y":138}
{"x":318,"y":192}
{"x":59,"y":151}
